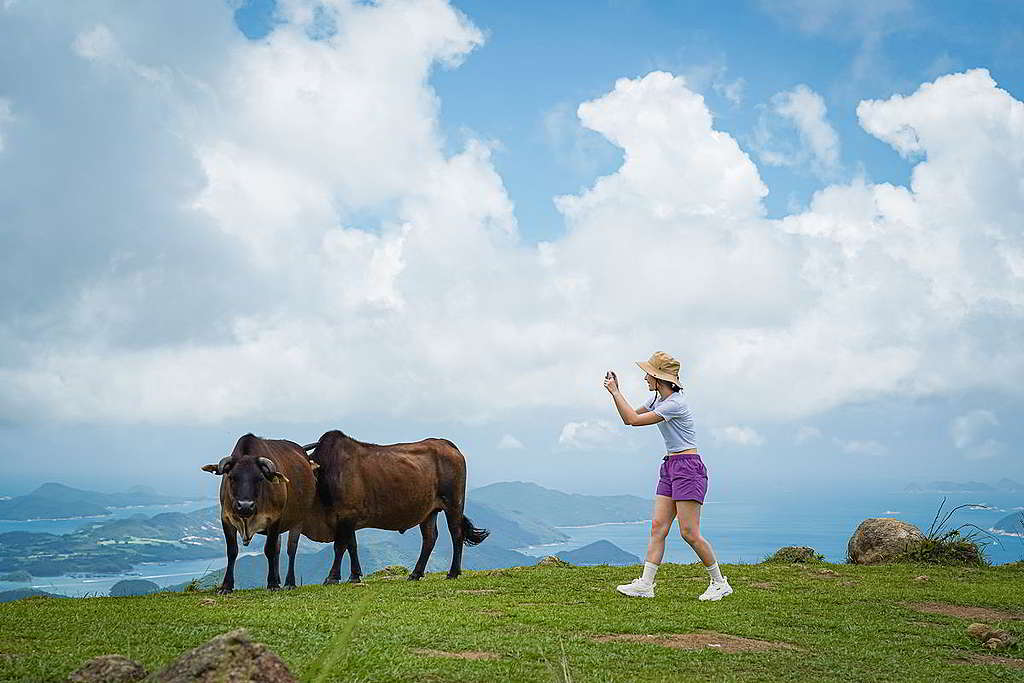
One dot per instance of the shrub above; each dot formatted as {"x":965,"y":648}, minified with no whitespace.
{"x":948,"y":546}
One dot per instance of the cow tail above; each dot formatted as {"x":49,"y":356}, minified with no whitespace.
{"x":470,"y":534}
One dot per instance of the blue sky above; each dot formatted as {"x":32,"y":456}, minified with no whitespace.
{"x":419,"y":218}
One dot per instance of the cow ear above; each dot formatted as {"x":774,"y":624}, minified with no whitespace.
{"x":276,"y":478}
{"x":210,"y":468}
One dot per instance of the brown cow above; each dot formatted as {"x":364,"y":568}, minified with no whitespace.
{"x":395,"y":487}
{"x":268,"y":488}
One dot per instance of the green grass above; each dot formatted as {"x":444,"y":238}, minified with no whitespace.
{"x":541,"y":622}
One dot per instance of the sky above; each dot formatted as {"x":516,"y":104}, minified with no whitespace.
{"x":413,"y":218}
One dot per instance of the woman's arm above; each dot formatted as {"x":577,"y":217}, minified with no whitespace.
{"x":626,"y":412}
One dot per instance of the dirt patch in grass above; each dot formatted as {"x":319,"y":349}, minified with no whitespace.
{"x":964,"y":612}
{"x":471,"y":654}
{"x":481,"y":591}
{"x":698,"y":641}
{"x":992,"y":659}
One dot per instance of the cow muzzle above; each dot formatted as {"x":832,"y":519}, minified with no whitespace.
{"x":245,"y":508}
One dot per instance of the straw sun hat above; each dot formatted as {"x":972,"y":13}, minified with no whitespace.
{"x":662,"y":366}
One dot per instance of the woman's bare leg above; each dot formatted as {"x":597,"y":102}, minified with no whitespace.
{"x":664,"y":513}
{"x":688,"y":512}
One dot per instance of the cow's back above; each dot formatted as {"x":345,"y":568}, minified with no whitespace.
{"x":387,"y":487}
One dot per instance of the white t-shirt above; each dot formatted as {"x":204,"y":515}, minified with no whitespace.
{"x":677,"y":421}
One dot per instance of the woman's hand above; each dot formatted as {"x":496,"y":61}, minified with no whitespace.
{"x":611,"y":383}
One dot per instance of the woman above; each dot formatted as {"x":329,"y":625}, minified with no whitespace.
{"x":684,"y":480}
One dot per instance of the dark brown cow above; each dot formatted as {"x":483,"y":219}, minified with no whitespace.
{"x":268,"y":488}
{"x":395,"y":487}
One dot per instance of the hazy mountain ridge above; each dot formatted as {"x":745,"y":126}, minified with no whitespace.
{"x":1004,"y":485}
{"x":57,"y":501}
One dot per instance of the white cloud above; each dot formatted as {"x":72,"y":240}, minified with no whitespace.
{"x":732,"y":91}
{"x":970,"y":433}
{"x":743,"y":436}
{"x":509,"y":442}
{"x":97,"y":43}
{"x":862,"y":447}
{"x":284,"y":222}
{"x":805,"y":434}
{"x":804,"y":111}
{"x":589,"y":434}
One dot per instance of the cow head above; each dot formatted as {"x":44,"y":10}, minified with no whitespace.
{"x":244,"y":479}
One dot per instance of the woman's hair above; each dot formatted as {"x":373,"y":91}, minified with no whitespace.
{"x":671,"y":385}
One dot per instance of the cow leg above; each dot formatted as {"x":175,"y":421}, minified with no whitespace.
{"x":272,"y":549}
{"x":293,"y":546}
{"x":353,"y":557}
{"x":428,"y":528}
{"x":342,"y":536}
{"x":231,"y":540}
{"x":454,"y":519}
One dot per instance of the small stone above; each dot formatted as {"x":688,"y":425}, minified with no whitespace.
{"x":207,"y":602}
{"x":828,"y":572}
{"x":921,"y":579}
{"x":108,"y":669}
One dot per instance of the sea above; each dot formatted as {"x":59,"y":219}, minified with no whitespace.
{"x":741,"y":531}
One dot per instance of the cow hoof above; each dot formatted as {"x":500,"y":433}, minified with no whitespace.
{"x":273,"y":588}
{"x":330,"y":582}
{"x":452,"y":576}
{"x":224,"y":590}
{"x":354,"y":579}
{"x":414,"y":577}
{"x":289,"y":586}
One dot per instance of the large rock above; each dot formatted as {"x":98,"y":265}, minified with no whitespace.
{"x":229,"y":658}
{"x":880,"y":539}
{"x":108,"y":669}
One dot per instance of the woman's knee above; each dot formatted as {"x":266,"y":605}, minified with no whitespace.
{"x":690,"y":534}
{"x":660,"y":528}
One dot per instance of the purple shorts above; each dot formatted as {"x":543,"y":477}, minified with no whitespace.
{"x":683,"y":477}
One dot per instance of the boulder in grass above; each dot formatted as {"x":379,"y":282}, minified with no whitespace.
{"x":879,"y":540}
{"x":552,"y":561}
{"x":229,"y":658}
{"x":794,"y":553}
{"x":108,"y":669}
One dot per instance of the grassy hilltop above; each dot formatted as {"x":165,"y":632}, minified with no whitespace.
{"x":821,"y":621}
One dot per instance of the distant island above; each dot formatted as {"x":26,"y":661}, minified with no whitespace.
{"x":1010,"y":525}
{"x":1004,"y":485}
{"x":57,"y":501}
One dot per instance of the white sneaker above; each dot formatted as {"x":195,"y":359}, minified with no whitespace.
{"x":717,"y":591}
{"x":637,"y":588}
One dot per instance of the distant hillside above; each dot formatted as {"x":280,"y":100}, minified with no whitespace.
{"x":1011,"y":524}
{"x":1004,"y":485}
{"x":598,"y":552}
{"x":21,"y":593}
{"x":57,"y":501}
{"x":526,"y":502}
{"x":114,"y":546}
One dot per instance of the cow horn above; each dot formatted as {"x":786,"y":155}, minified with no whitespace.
{"x":270,"y":471}
{"x":220,"y":468}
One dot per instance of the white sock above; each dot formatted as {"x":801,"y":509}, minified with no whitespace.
{"x":715,"y":573}
{"x":650,"y":569}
